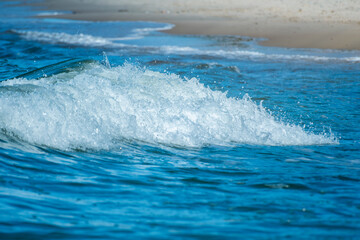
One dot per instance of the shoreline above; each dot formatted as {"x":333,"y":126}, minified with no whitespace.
{"x":295,"y":25}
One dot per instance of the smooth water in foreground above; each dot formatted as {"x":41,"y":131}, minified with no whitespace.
{"x":114,"y":130}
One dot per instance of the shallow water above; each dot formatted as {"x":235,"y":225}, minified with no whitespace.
{"x":115,"y":130}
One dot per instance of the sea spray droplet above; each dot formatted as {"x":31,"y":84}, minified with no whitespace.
{"x":95,"y":106}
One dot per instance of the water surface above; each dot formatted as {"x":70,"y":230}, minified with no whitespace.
{"x":116,"y":130}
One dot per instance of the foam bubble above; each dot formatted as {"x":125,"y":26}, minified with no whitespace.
{"x":95,"y":107}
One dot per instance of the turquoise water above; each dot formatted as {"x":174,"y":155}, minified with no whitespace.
{"x":115,"y":130}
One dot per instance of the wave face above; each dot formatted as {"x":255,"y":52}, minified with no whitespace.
{"x":96,"y":107}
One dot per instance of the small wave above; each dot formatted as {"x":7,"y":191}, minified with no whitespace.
{"x":65,"y":38}
{"x":235,"y":54}
{"x":86,"y":39}
{"x":95,"y":107}
{"x":138,"y":33}
{"x":51,"y":13}
{"x":145,"y":31}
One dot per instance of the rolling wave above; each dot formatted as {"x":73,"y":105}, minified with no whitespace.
{"x":96,"y":107}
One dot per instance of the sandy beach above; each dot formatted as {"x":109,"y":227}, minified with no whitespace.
{"x":323,"y":24}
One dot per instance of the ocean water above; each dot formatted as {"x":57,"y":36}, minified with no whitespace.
{"x":112,"y":130}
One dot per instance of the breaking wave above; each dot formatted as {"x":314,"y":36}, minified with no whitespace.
{"x":96,"y":107}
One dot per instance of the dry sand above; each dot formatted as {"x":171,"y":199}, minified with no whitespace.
{"x":333,"y":24}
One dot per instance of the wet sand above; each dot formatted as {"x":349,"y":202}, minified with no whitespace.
{"x":325,"y":24}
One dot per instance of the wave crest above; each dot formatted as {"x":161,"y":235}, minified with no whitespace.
{"x":95,"y":107}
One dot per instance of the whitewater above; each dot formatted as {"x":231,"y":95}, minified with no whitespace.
{"x":96,"y":106}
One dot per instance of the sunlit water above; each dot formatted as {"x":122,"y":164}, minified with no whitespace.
{"x":114,"y":130}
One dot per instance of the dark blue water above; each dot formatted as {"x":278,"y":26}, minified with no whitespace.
{"x":114,"y":130}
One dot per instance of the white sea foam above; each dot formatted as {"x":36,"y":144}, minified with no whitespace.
{"x":139,"y":33}
{"x":97,"y":106}
{"x":145,"y":31}
{"x":253,"y":54}
{"x":65,"y":38}
{"x":88,"y":40}
{"x":52,"y":13}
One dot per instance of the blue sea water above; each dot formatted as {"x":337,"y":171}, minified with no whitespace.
{"x":112,"y":130}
